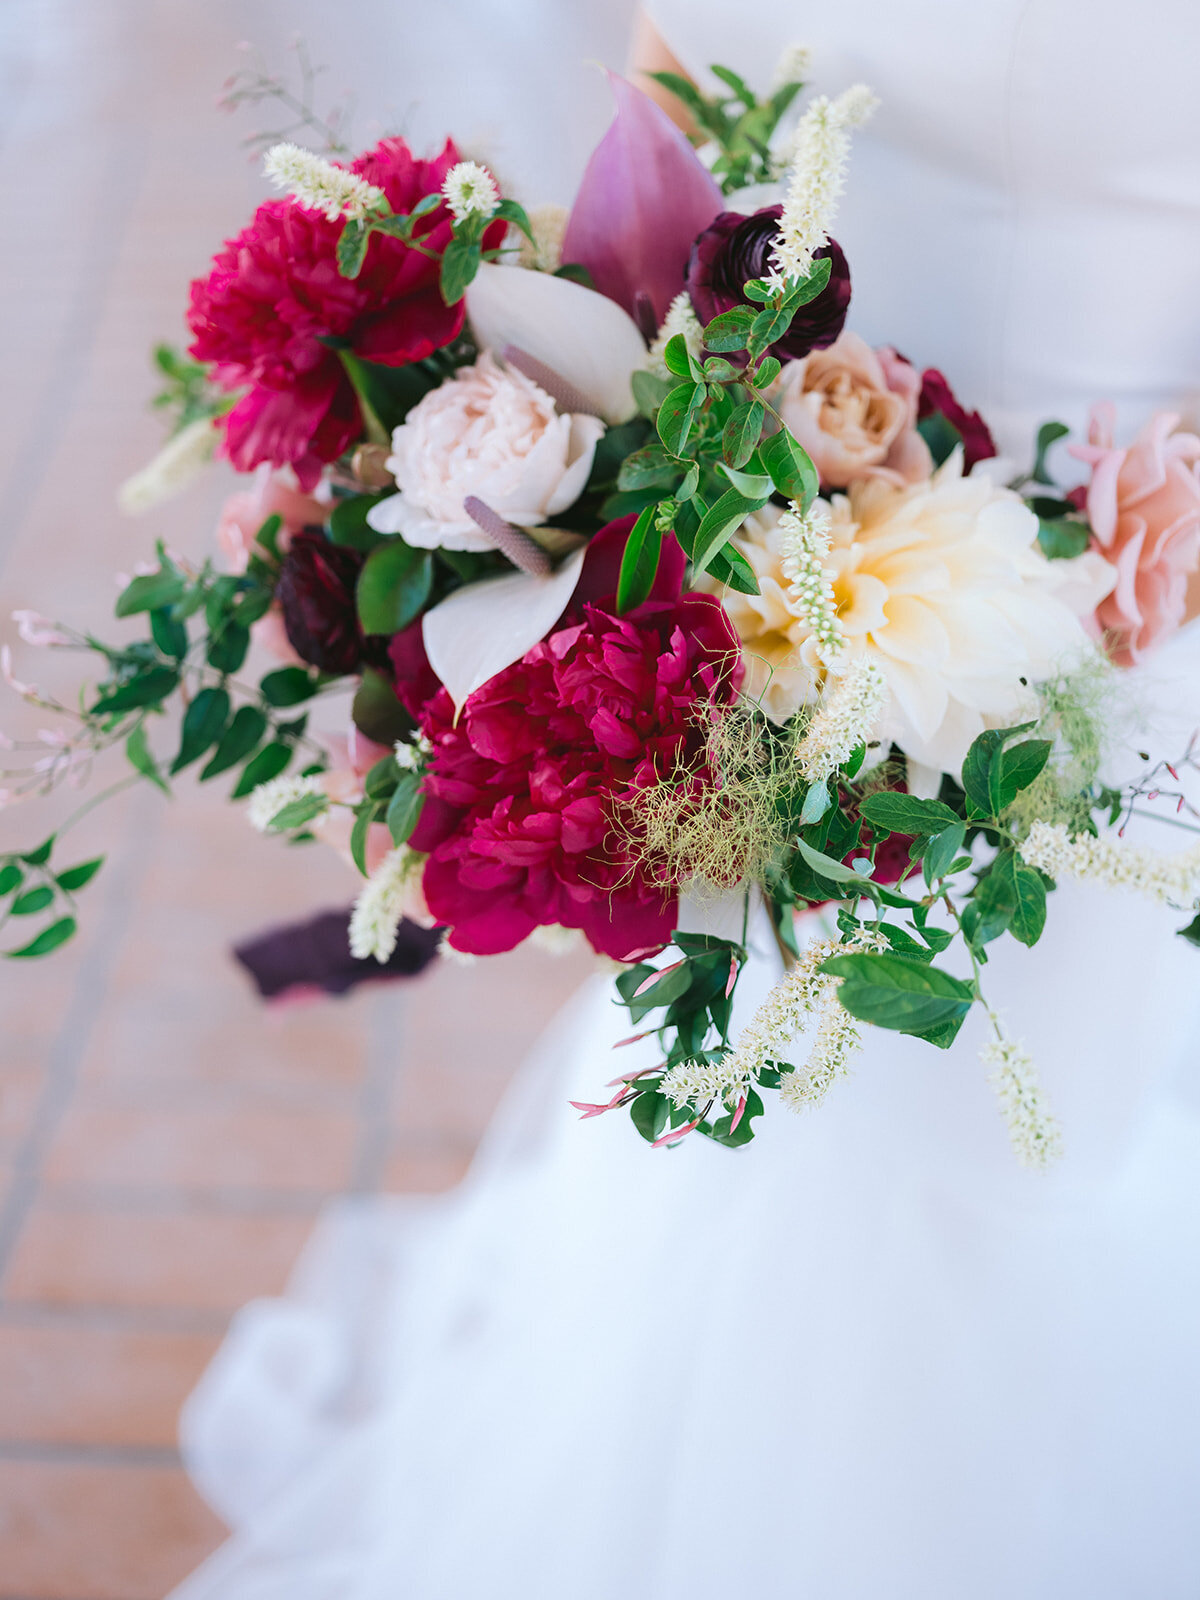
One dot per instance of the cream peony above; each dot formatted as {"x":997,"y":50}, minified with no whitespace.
{"x":489,"y":431}
{"x":944,"y":586}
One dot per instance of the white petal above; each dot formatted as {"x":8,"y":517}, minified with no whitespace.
{"x":484,"y":627}
{"x":583,"y":336}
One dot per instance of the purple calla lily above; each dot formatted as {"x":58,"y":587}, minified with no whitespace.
{"x":645,"y":196}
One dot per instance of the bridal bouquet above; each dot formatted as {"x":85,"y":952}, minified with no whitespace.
{"x":648,"y":579}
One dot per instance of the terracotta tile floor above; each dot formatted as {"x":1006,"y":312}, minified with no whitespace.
{"x":165,"y":1143}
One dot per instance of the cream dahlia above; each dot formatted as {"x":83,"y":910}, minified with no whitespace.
{"x":944,"y":586}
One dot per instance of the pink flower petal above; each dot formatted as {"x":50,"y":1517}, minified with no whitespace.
{"x":645,"y":196}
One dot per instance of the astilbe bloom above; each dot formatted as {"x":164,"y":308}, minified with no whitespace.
{"x":735,"y":248}
{"x":275,"y":293}
{"x":532,"y":793}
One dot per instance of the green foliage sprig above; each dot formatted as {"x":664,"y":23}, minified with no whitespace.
{"x":737,"y":122}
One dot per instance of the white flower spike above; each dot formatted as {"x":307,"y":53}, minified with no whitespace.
{"x":319,"y":184}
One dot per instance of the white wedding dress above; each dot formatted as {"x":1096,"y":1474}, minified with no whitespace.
{"x":870,"y":1355}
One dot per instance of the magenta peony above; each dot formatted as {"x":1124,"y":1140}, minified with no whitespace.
{"x":530,"y":792}
{"x":1144,"y":507}
{"x":275,"y":294}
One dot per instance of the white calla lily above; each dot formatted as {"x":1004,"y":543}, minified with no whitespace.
{"x":584,"y":337}
{"x":484,"y":627}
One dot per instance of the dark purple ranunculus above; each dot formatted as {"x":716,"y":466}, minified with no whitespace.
{"x":938,"y":396}
{"x":735,"y":248}
{"x":316,"y":595}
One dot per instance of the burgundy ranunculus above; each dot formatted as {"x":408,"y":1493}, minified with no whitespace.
{"x":274,"y":294}
{"x":735,"y":248}
{"x":526,"y":790}
{"x":316,"y":595}
{"x":938,"y":396}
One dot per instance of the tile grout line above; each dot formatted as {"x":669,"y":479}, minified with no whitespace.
{"x":66,"y":1055}
{"x":89,"y":1455}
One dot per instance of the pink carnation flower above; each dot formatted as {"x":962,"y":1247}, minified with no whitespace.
{"x":525,"y":791}
{"x":1143,"y":504}
{"x":275,"y":292}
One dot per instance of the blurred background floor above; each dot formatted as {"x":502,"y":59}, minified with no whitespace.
{"x":165,"y":1142}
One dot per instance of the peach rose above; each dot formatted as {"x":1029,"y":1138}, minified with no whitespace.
{"x":244,"y":513}
{"x":854,"y":410}
{"x":1143,"y":504}
{"x":489,"y":432}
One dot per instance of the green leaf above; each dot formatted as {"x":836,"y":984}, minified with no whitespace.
{"x":1021,"y":891}
{"x":742,"y":433}
{"x":75,"y":877}
{"x":40,"y":856}
{"x":287,"y":686}
{"x":348,"y":525}
{"x":649,"y":1114}
{"x":790,"y":467}
{"x":267,"y":764}
{"x":11,"y":877}
{"x":394,"y":587}
{"x":352,"y":249}
{"x":228,"y":646}
{"x":169,"y":634}
{"x":150,"y":592}
{"x":649,"y":391}
{"x":816,"y":803}
{"x":1063,"y":538}
{"x":377,"y":712}
{"x":753,"y":485}
{"x":358,"y":837}
{"x":203,"y":724}
{"x":137,"y":752}
{"x":738,"y":85}
{"x":905,"y":813}
{"x":893,"y":992}
{"x":512,"y":211}
{"x":942,"y":852}
{"x":297,"y":813}
{"x":729,"y":331}
{"x":33,"y":900}
{"x":729,"y":566}
{"x":940,"y":434}
{"x":766,"y":372}
{"x":677,"y":413}
{"x":147,"y":689}
{"x":239,"y":739}
{"x":826,"y":867}
{"x":817,"y":281}
{"x":460,"y":263}
{"x":1049,"y":433}
{"x":718,"y":525}
{"x":1018,"y":767}
{"x":639,"y":563}
{"x":648,"y":468}
{"x":267,"y":536}
{"x":405,"y":807}
{"x":49,"y":939}
{"x":677,"y":357}
{"x":1192,"y":932}
{"x":992,"y":777}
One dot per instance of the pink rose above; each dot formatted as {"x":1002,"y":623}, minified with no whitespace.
{"x":244,"y":513}
{"x":1143,"y":504}
{"x":854,"y":410}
